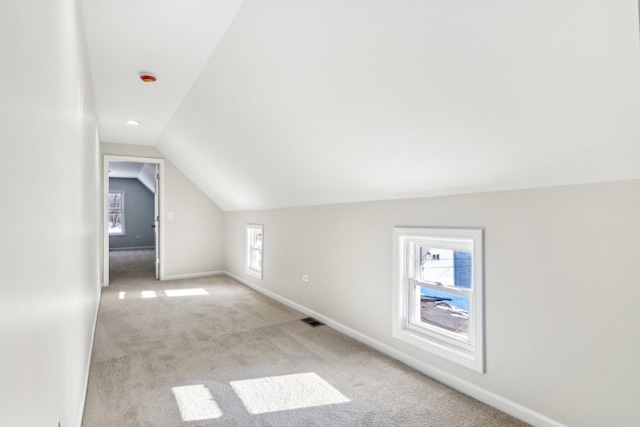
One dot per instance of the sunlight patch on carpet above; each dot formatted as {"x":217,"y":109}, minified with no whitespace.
{"x":195,"y":403}
{"x":185,"y":292}
{"x":149,"y":294}
{"x":286,"y":392}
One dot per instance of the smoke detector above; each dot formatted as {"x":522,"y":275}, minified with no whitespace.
{"x":148,"y":77}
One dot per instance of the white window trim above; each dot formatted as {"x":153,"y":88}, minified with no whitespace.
{"x":249,"y":249}
{"x":124,"y":230}
{"x":435,"y":340}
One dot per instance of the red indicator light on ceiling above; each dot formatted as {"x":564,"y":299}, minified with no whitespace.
{"x":148,"y":78}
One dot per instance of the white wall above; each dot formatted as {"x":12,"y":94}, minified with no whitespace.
{"x":561,"y":267}
{"x":49,"y":288}
{"x":197,"y":225}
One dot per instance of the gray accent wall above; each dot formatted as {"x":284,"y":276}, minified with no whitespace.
{"x":138,"y":214}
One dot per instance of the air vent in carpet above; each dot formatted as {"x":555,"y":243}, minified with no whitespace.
{"x":312,"y":322}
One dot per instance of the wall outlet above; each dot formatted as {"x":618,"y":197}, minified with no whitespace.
{"x":182,"y":256}
{"x":305,"y":278}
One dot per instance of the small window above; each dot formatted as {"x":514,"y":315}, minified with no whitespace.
{"x":438,"y":293}
{"x":254,"y":250}
{"x":116,"y":213}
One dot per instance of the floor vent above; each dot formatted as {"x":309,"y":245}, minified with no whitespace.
{"x":312,"y":322}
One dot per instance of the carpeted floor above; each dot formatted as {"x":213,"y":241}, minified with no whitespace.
{"x":212,"y":352}
{"x":128,"y":265}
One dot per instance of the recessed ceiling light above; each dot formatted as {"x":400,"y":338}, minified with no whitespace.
{"x":133,"y":122}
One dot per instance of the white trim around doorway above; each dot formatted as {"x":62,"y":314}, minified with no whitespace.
{"x":105,"y":210}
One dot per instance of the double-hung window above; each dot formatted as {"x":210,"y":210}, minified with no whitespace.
{"x":254,"y":250}
{"x":438,"y":292}
{"x":116,"y":213}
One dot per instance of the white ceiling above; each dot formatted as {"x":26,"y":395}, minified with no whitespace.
{"x":171,"y":39}
{"x":125,"y":169}
{"x":305,"y":102}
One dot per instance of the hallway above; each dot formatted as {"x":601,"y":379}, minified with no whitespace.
{"x":155,"y":339}
{"x":126,"y":265}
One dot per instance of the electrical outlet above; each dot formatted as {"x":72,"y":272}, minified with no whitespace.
{"x":182,"y":256}
{"x":305,"y":278}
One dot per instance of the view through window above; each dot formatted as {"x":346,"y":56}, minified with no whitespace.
{"x":254,"y":250}
{"x":438,"y":303}
{"x":116,"y":213}
{"x":444,"y":304}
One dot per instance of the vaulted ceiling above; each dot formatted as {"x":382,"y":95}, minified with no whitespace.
{"x":274,"y":103}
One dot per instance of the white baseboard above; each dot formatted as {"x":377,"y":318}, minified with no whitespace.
{"x":191,"y":275}
{"x":132,"y":248}
{"x":86,"y":378}
{"x":505,"y":405}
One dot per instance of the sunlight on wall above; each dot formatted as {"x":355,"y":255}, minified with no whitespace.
{"x":149,"y":294}
{"x":195,"y":402}
{"x":185,"y":292}
{"x":286,"y":392}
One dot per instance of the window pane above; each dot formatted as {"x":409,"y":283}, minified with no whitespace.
{"x":445,"y":266}
{"x":115,"y":202}
{"x":256,"y":239}
{"x":115,"y":223}
{"x":256,"y":260}
{"x":115,"y":213}
{"x":444,"y":310}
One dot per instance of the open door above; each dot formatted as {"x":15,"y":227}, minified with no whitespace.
{"x":156,"y":222}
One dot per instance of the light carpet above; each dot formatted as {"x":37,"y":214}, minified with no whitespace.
{"x":212,"y":352}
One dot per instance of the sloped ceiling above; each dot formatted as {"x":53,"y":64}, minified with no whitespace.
{"x":143,"y":172}
{"x":306,"y":102}
{"x":171,"y":39}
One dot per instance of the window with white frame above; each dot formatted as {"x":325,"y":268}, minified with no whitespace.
{"x":438,"y":292}
{"x":116,"y":213}
{"x":254,"y":250}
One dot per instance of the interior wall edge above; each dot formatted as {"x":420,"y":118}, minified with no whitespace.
{"x":131,"y":248}
{"x":90,"y":354}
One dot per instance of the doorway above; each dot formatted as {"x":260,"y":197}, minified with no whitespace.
{"x":127,"y":229}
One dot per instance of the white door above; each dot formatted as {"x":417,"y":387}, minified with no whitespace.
{"x":156,"y":221}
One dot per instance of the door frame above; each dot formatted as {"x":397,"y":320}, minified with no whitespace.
{"x":107,"y":158}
